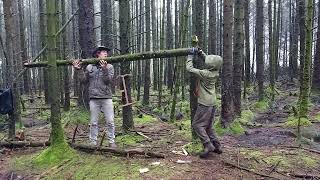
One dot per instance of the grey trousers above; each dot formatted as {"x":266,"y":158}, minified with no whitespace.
{"x":106,"y":106}
{"x":202,"y":124}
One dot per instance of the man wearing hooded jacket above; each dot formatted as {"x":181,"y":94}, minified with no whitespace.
{"x":204,"y":116}
{"x":100,"y":77}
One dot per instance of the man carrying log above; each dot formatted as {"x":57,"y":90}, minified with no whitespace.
{"x":100,"y":77}
{"x":205,"y":91}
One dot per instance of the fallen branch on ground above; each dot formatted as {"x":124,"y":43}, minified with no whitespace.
{"x":141,"y":134}
{"x":148,"y":113}
{"x":307,"y":149}
{"x":247,"y":169}
{"x":22,"y":144}
{"x":298,"y":175}
{"x":274,"y":167}
{"x":74,"y":134}
{"x":125,"y":153}
{"x":85,"y":148}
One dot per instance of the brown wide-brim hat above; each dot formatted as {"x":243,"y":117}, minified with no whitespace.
{"x":100,"y":48}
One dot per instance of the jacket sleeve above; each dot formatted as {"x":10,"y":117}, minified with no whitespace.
{"x":83,"y":75}
{"x":108,"y":74}
{"x":202,"y":74}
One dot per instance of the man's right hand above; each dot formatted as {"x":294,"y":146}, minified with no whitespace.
{"x":77,"y":64}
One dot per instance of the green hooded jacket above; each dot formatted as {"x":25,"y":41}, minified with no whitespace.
{"x":208,"y":77}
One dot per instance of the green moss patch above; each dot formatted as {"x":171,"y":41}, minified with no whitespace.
{"x":246,"y":117}
{"x":261,"y":106}
{"x":184,"y":107}
{"x":54,"y":155}
{"x":317,"y":117}
{"x":194,"y":148}
{"x":76,"y":115}
{"x":185,"y":129}
{"x":44,"y":115}
{"x":129,"y":139}
{"x":310,"y":162}
{"x":145,"y":119}
{"x":293,"y":122}
{"x":86,"y":166}
{"x":282,"y":158}
{"x":234,"y":128}
{"x":157,"y":110}
{"x":277,"y":159}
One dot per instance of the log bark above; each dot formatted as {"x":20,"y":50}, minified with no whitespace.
{"x":247,"y":169}
{"x":122,"y":58}
{"x":85,"y":148}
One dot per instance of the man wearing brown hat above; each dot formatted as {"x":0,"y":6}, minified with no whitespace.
{"x":207,"y":101}
{"x":100,"y":77}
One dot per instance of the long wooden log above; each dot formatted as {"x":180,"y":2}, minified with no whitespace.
{"x":22,"y":144}
{"x":125,"y":153}
{"x":84,"y":148}
{"x":247,"y":169}
{"x":123,"y":58}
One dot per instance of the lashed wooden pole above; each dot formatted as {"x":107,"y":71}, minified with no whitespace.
{"x":123,"y":58}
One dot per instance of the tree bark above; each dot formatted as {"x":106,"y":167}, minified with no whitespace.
{"x":316,"y":70}
{"x":123,"y":58}
{"x":247,"y":44}
{"x":238,"y":54}
{"x":106,"y":23}
{"x":169,"y":44}
{"x":43,"y":43}
{"x":66,"y":103}
{"x":146,"y":88}
{"x":227,"y":103}
{"x":57,"y":134}
{"x":212,"y":28}
{"x":272,"y":45}
{"x":305,"y":85}
{"x":24,"y":56}
{"x":260,"y":48}
{"x":124,"y":13}
{"x":155,"y":45}
{"x":86,"y":41}
{"x":13,"y":57}
{"x":301,"y":7}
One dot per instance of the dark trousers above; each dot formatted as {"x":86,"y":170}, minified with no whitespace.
{"x":202,"y":124}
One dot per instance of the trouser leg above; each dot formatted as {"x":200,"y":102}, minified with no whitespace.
{"x":210,"y":130}
{"x":201,"y":122}
{"x":107,"y":109}
{"x":94,"y":116}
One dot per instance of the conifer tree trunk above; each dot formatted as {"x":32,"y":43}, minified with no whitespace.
{"x":12,"y":57}
{"x":66,"y":103}
{"x":124,"y":14}
{"x":86,"y":41}
{"x":247,"y":44}
{"x":24,"y":56}
{"x":316,"y":70}
{"x":57,"y":134}
{"x":305,"y":85}
{"x":43,"y":43}
{"x":238,"y":54}
{"x":260,"y":48}
{"x":146,"y":88}
{"x":212,"y":28}
{"x":227,"y":103}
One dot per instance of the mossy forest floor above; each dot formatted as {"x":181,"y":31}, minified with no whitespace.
{"x":261,"y":140}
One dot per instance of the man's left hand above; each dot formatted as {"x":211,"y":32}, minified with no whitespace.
{"x":103,"y":64}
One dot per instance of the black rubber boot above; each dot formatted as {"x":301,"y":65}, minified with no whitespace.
{"x":208,"y":147}
{"x":217,"y":147}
